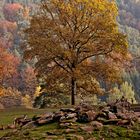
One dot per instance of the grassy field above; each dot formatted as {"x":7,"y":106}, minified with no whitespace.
{"x":7,"y":115}
{"x":40,"y":133}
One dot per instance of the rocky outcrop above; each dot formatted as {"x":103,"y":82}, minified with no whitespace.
{"x":118,"y":113}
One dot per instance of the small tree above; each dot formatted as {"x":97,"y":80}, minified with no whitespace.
{"x":128,"y":92}
{"x":125,"y":90}
{"x":114,"y":95}
{"x":76,"y":43}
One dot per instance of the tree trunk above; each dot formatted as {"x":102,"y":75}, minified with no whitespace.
{"x":73,"y":90}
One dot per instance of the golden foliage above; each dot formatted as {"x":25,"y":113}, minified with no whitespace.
{"x":5,"y":92}
{"x":10,"y":97}
{"x":37,"y":92}
{"x":27,"y":101}
{"x":125,"y":90}
{"x":76,"y":40}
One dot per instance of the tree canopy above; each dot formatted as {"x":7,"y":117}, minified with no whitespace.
{"x":77,"y":44}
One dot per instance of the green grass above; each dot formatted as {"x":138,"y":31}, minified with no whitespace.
{"x":40,"y":131}
{"x":7,"y":115}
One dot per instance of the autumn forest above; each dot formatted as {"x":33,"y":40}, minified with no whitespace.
{"x":70,"y":69}
{"x":104,"y":74}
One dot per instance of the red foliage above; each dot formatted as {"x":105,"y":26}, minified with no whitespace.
{"x":8,"y":31}
{"x":10,"y":11}
{"x":8,"y":67}
{"x":7,"y":26}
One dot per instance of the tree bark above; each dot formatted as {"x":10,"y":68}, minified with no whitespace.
{"x":73,"y":90}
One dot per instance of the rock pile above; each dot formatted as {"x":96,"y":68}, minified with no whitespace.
{"x":118,"y":113}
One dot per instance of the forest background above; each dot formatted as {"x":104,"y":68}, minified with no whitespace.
{"x":18,"y":82}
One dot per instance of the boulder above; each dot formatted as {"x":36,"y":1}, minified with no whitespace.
{"x":36,"y":117}
{"x":70,"y":115}
{"x":102,"y":120}
{"x":44,"y":121}
{"x":137,"y":114}
{"x":132,"y":116}
{"x":102,"y":115}
{"x":71,"y":110}
{"x":68,"y":120}
{"x":30,"y":125}
{"x":87,"y":116}
{"x":82,"y":118}
{"x":23,"y":122}
{"x":91,"y":115}
{"x":138,"y":120}
{"x":11,"y":126}
{"x":121,"y":105}
{"x":124,"y":122}
{"x":47,"y":115}
{"x":128,"y":116}
{"x":41,"y":122}
{"x":111,"y":116}
{"x":96,"y":125}
{"x":121,"y":115}
{"x":57,"y":116}
{"x":113,"y":108}
{"x":105,"y":109}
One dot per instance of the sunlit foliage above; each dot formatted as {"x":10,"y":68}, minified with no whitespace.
{"x":76,"y":44}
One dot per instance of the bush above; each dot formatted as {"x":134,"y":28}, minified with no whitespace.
{"x":46,"y":100}
{"x":10,"y":97}
{"x":27,"y":101}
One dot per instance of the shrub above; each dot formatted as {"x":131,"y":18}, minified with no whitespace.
{"x":46,"y":100}
{"x":10,"y":97}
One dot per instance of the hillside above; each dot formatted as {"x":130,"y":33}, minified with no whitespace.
{"x":129,"y":20}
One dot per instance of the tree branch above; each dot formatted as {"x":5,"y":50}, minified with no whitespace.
{"x":96,"y":54}
{"x":61,"y":66}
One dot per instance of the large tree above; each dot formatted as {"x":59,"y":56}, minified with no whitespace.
{"x":76,"y":43}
